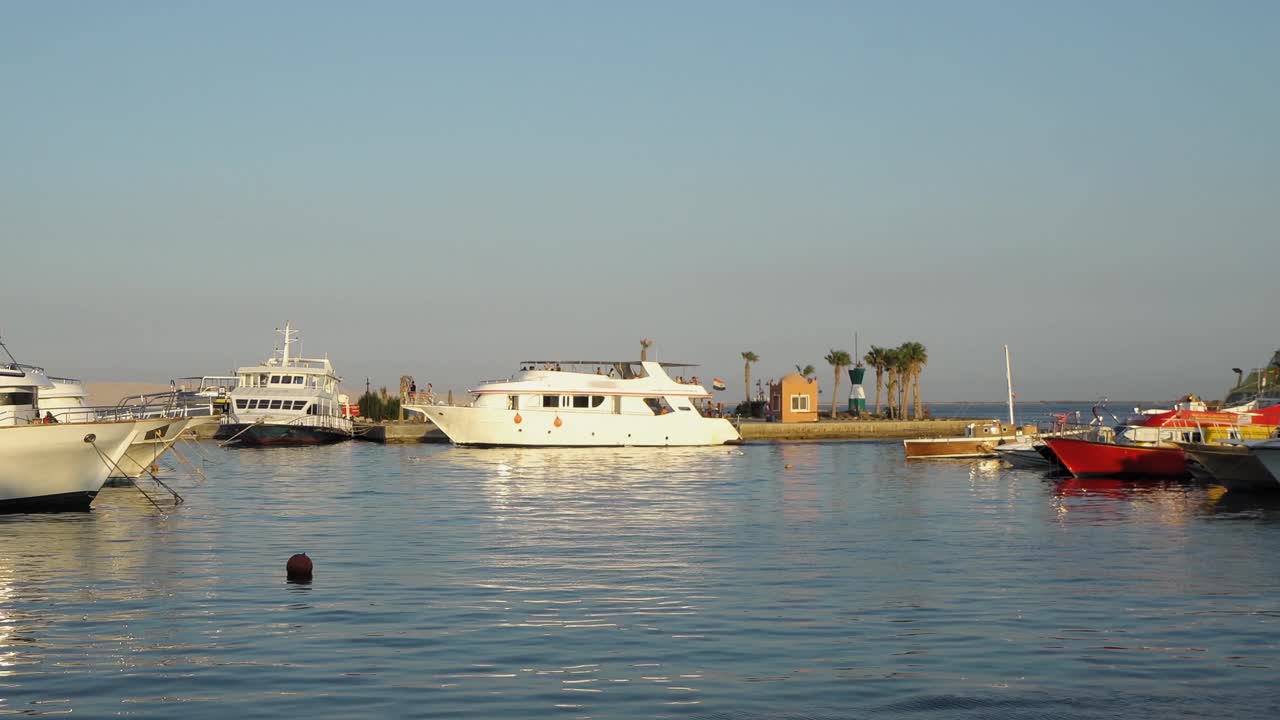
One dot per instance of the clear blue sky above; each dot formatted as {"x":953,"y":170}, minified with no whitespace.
{"x":446,"y":189}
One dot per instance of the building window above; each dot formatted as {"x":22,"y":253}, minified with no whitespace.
{"x":800,"y":403}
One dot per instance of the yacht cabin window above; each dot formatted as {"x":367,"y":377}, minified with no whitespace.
{"x":550,"y":401}
{"x":18,"y":397}
{"x":581,"y":401}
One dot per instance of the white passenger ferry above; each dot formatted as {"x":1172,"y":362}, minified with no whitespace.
{"x":568,"y":404}
{"x":286,"y":400}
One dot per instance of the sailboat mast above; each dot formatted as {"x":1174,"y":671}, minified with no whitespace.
{"x":1008,"y":376}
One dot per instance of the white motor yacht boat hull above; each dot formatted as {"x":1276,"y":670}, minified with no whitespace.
{"x":636,"y":404}
{"x":62,"y":466}
{"x":499,"y":427}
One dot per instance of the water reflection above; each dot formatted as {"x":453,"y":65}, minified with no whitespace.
{"x":762,"y":581}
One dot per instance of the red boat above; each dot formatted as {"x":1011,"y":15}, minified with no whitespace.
{"x":1149,"y":447}
{"x":1087,"y":458}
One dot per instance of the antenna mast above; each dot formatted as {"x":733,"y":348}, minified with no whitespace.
{"x":288,"y":339}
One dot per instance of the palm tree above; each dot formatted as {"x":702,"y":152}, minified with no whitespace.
{"x":891,"y":382}
{"x":917,"y":357}
{"x":875,"y":358}
{"x":902,"y":363}
{"x":748,"y":357}
{"x":644,"y":349}
{"x":806,"y":372}
{"x":839,"y":359}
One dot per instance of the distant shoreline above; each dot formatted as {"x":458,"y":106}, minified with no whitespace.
{"x":1033,"y":402}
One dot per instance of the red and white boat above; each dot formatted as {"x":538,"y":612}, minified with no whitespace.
{"x":1150,"y":448}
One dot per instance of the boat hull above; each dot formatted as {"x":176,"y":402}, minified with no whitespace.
{"x":1085,"y":458}
{"x":1029,"y":458}
{"x":1234,"y":467}
{"x":52,"y":467}
{"x":268,"y":435}
{"x":952,"y":447}
{"x":144,"y":452}
{"x":491,"y":427}
{"x":1269,"y":456}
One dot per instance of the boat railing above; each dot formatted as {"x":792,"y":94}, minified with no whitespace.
{"x":426,"y":398}
{"x":324,"y":421}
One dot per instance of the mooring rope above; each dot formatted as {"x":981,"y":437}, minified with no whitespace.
{"x":106,"y":459}
{"x":231,"y":439}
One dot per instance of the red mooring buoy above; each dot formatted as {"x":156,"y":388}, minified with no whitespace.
{"x":299,"y":567}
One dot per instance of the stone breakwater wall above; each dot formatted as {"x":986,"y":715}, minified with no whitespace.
{"x":855,"y":429}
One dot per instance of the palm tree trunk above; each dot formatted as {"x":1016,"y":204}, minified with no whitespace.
{"x":917,"y":394}
{"x":889,"y":386}
{"x":905,"y":379}
{"x":746,"y":381}
{"x":879,"y":382}
{"x":835,"y":393}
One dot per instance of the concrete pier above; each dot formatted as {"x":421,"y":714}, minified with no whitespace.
{"x":394,"y":431}
{"x":853,"y":429}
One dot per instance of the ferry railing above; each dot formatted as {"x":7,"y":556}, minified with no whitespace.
{"x":330,"y":422}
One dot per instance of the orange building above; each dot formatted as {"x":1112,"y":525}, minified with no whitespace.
{"x":794,"y":398}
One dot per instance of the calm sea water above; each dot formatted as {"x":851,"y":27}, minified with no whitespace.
{"x":825,"y":580}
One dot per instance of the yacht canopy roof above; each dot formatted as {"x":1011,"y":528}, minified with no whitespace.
{"x":602,"y":362}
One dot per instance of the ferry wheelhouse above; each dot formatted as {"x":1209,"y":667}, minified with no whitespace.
{"x":584,"y":403}
{"x":286,"y":400}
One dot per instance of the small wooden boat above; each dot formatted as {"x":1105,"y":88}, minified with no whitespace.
{"x":979,"y":440}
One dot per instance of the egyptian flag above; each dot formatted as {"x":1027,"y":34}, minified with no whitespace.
{"x":717,"y":384}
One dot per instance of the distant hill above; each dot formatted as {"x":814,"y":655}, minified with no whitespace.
{"x":110,"y":393}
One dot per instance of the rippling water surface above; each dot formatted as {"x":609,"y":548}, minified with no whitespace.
{"x":768,"y":581}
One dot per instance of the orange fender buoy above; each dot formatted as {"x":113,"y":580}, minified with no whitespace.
{"x":557,"y":423}
{"x":518,"y":419}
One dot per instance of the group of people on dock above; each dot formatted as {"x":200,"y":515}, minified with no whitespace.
{"x":427,"y":397}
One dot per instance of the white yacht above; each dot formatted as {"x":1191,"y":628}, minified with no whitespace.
{"x":619,"y":403}
{"x":56,"y":465}
{"x":64,"y":400}
{"x":286,"y":400}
